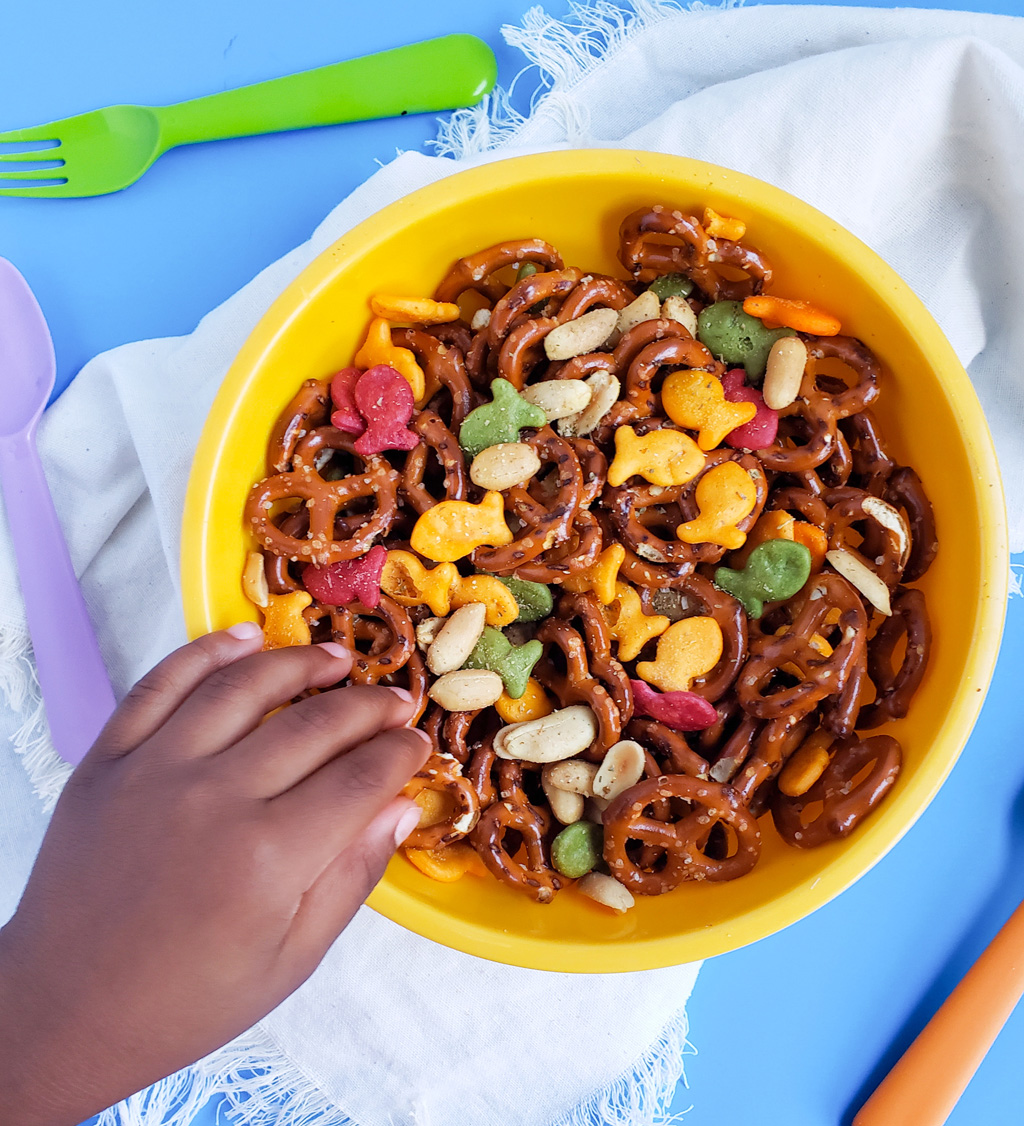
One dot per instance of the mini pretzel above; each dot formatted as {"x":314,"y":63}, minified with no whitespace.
{"x":670,"y":747}
{"x":437,"y":437}
{"x":819,"y":676}
{"x":681,"y":842}
{"x":842,"y":807}
{"x":578,"y":553}
{"x":600,"y":660}
{"x":443,"y":775}
{"x":324,"y":500}
{"x":476,"y":271}
{"x":895,"y":687}
{"x":884,"y":550}
{"x":904,"y":490}
{"x":871,"y":462}
{"x":443,"y":367}
{"x":532,"y":874}
{"x":674,"y":352}
{"x":524,"y":295}
{"x":775,"y":742}
{"x":389,"y":629}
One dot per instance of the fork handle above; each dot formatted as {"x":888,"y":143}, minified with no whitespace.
{"x":72,"y":678}
{"x":438,"y":74}
{"x":932,"y":1074}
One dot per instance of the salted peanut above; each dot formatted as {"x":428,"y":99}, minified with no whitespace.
{"x":862,"y":577}
{"x":503,"y":465}
{"x":678,"y":309}
{"x":645,"y":308}
{"x":565,"y":805}
{"x":456,"y":638}
{"x":254,"y":580}
{"x":574,"y":775}
{"x":785,"y":372}
{"x":892,"y":519}
{"x":426,"y":631}
{"x":621,"y":767}
{"x":481,"y":319}
{"x":558,"y":398}
{"x":584,"y":334}
{"x":806,"y":765}
{"x":604,"y":389}
{"x":466,"y":690}
{"x":562,"y":734}
{"x":607,"y":891}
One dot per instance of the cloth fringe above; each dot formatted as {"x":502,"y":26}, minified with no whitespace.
{"x":263,"y":1089}
{"x":565,"y":52}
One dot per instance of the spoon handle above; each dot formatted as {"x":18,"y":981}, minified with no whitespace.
{"x":73,"y":680}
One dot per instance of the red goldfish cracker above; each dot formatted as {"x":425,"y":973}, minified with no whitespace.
{"x":801,"y":316}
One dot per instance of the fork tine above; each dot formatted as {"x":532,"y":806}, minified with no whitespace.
{"x":31,"y":157}
{"x":35,"y":133}
{"x":50,"y":191}
{"x":31,"y":174}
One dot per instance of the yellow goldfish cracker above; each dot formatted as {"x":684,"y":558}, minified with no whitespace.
{"x":630,"y":626}
{"x":696,"y":400}
{"x":600,"y":576}
{"x":283,"y":623}
{"x":725,"y":495}
{"x":533,"y":704}
{"x":254,"y":579}
{"x":663,"y":457}
{"x":409,"y":583}
{"x":378,"y":349}
{"x":814,"y":539}
{"x":413,"y":310}
{"x":807,"y":764}
{"x":454,"y":528}
{"x":721,"y":226}
{"x":446,"y":865}
{"x":686,"y":650}
{"x":499,"y":601}
{"x":435,"y":805}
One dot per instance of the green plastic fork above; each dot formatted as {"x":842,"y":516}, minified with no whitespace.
{"x":108,"y":149}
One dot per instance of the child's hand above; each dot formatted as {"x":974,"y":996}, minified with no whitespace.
{"x":198,"y":866}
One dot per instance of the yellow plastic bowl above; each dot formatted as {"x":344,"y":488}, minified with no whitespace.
{"x":930,"y":414}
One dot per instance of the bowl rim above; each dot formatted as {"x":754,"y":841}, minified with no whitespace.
{"x":857,"y":857}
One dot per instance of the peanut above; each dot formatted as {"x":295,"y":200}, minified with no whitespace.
{"x":862,"y":577}
{"x":503,"y":465}
{"x":562,"y":734}
{"x":574,"y":775}
{"x":558,"y":398}
{"x":567,"y":807}
{"x":621,"y":767}
{"x":678,"y":309}
{"x":785,"y":372}
{"x":456,"y":637}
{"x":466,"y":690}
{"x":584,"y":334}
{"x":426,"y":631}
{"x":607,"y":891}
{"x":645,"y":308}
{"x":604,"y":389}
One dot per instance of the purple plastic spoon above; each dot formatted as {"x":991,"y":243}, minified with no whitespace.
{"x":74,"y":683}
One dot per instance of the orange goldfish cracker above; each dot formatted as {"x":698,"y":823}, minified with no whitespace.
{"x":721,"y":226}
{"x":435,"y":806}
{"x":499,"y":601}
{"x":814,"y":539}
{"x":686,"y":650}
{"x":663,"y":457}
{"x":378,"y":349}
{"x":630,"y":626}
{"x":453,"y":529}
{"x":409,"y":583}
{"x":533,"y":704}
{"x":806,"y":765}
{"x":799,"y":315}
{"x":413,"y":310}
{"x":696,"y":400}
{"x":446,"y":865}
{"x":283,"y":623}
{"x":725,"y":495}
{"x":775,"y":525}
{"x":600,"y":575}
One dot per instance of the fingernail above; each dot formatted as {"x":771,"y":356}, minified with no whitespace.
{"x":244,"y":631}
{"x":402,"y":694}
{"x":334,"y":649}
{"x":406,"y":823}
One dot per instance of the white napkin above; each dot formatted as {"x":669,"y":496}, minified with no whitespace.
{"x":905,"y":126}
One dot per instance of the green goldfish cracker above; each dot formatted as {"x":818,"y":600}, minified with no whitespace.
{"x":733,"y":336}
{"x":775,"y":571}
{"x":499,"y":420}
{"x":534,"y":599}
{"x":513,"y":663}
{"x":577,"y":849}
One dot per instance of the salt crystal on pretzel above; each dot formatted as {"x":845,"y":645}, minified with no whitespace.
{"x":354,"y":580}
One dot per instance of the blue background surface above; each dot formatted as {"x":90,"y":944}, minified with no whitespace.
{"x":792,"y":1031}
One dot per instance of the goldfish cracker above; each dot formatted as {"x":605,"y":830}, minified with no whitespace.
{"x":353,"y":580}
{"x":799,"y":315}
{"x":513,"y":663}
{"x":413,"y":310}
{"x":448,"y":864}
{"x":775,"y":571}
{"x":721,"y":226}
{"x":499,"y":421}
{"x":378,"y":349}
{"x":533,"y":704}
{"x":814,"y":539}
{"x":725,"y":495}
{"x":682,"y":711}
{"x":775,"y":525}
{"x":385,"y":400}
{"x":736,"y":337}
{"x":630,"y":626}
{"x":696,"y":400}
{"x":283,"y":623}
{"x":663,"y":457}
{"x":454,"y":528}
{"x":499,"y":602}
{"x":600,"y":576}
{"x":686,"y":650}
{"x":409,"y":583}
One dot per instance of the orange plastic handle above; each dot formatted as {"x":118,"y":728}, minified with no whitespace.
{"x":923,"y":1087}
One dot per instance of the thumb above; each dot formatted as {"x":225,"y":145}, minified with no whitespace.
{"x":339,"y":891}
